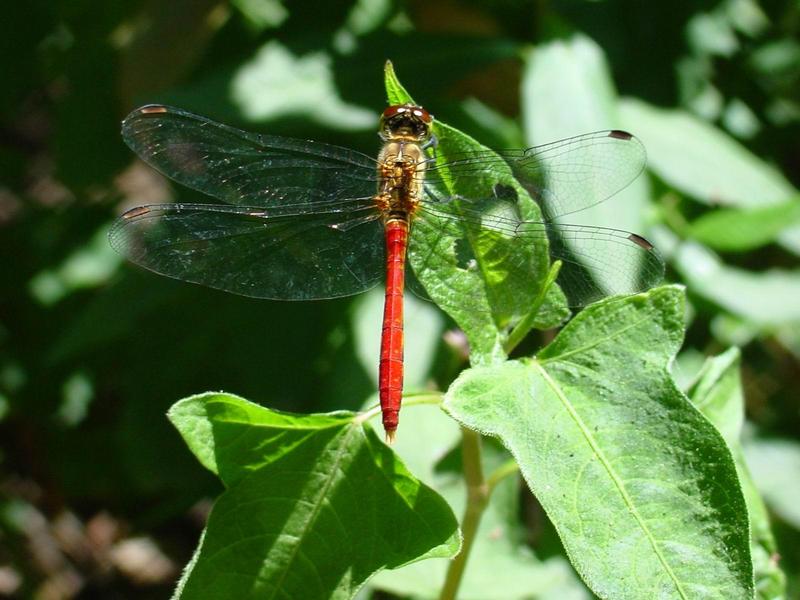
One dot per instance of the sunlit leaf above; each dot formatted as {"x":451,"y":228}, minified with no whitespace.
{"x":501,"y":565}
{"x":718,"y":394}
{"x":770,"y":460}
{"x":706,"y":164}
{"x":641,"y":487}
{"x":766,"y":298}
{"x":744,"y":229}
{"x":314,"y":505}
{"x":567,"y":89}
{"x":701,"y":161}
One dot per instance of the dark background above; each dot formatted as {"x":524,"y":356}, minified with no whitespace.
{"x":98,"y":495}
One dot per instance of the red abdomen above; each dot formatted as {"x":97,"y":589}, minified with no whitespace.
{"x":391,"y":363}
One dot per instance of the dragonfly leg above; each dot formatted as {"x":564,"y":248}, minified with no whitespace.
{"x":432,"y":143}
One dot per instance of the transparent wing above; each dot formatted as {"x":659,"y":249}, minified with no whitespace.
{"x":563,"y":177}
{"x":244,"y":168}
{"x":277,"y":254}
{"x":597,"y":261}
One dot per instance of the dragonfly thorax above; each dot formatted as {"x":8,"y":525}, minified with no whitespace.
{"x":401,"y":169}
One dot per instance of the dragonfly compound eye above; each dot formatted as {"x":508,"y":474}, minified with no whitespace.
{"x":406,"y":121}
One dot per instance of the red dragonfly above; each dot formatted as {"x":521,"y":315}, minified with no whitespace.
{"x":301,"y":220}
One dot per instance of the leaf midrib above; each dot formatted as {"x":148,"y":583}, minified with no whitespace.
{"x":593,"y":344}
{"x":340,"y":452}
{"x":615,"y":478}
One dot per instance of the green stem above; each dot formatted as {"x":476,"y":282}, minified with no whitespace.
{"x":526,"y":324}
{"x":409,"y":399}
{"x":671,"y":214}
{"x":508,"y":468}
{"x":477,"y":499}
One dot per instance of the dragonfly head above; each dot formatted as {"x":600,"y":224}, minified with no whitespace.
{"x":406,"y":121}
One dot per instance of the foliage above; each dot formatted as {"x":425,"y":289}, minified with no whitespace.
{"x":649,"y":432}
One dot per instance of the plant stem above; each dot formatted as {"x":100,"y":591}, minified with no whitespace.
{"x":526,"y":324}
{"x":477,"y":499}
{"x":508,"y":468}
{"x":412,"y":398}
{"x":408,"y":400}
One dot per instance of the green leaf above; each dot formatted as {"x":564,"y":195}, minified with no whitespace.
{"x":314,"y":505}
{"x":640,"y":486}
{"x":306,"y":80}
{"x":567,"y":90}
{"x":455,"y":259}
{"x":789,"y":337}
{"x":701,"y":161}
{"x":718,"y":394}
{"x":774,"y":463}
{"x":739,"y":230}
{"x":395,"y":92}
{"x":501,"y":565}
{"x":90,"y":266}
{"x":766,"y":299}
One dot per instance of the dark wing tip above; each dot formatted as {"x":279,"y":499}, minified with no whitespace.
{"x":152,"y":109}
{"x":640,"y":241}
{"x":148,"y":110}
{"x":136,"y":212}
{"x":620,"y":135}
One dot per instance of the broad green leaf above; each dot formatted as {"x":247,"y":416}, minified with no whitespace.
{"x":718,"y":394}
{"x":775,"y":463}
{"x":733,"y":330}
{"x":702,"y":161}
{"x":767,"y":298}
{"x":641,"y":487}
{"x":502,"y":131}
{"x":567,"y":90}
{"x":314,"y":505}
{"x":739,"y":230}
{"x":456,"y":260}
{"x":686,"y":367}
{"x":705,"y":163}
{"x":501,"y":566}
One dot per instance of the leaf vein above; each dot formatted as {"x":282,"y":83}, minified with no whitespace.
{"x":618,"y":483}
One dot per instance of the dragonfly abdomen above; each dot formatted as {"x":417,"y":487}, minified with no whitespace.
{"x":390,"y":371}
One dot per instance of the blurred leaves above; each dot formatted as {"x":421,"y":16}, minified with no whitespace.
{"x":567,"y":89}
{"x":93,"y":352}
{"x":770,"y":460}
{"x":740,"y":230}
{"x":701,"y":161}
{"x":760,"y":298}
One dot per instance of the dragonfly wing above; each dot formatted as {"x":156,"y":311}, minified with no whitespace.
{"x":469,"y":267}
{"x":244,"y":168}
{"x":564,"y":177}
{"x":596,"y":261}
{"x":248,"y":251}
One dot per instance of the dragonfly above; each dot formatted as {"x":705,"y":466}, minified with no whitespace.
{"x":296,"y":219}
